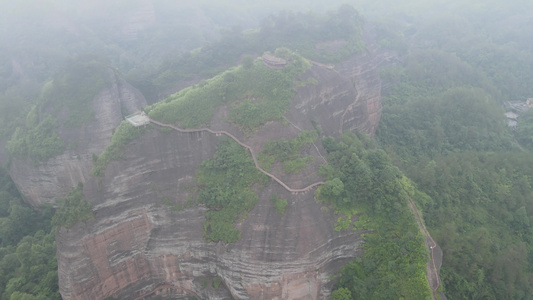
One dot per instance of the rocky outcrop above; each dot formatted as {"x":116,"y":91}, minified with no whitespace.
{"x":364,"y":113}
{"x":42,"y":182}
{"x":140,"y":248}
{"x":274,"y":62}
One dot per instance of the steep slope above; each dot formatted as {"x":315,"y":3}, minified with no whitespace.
{"x":42,"y":182}
{"x":138,"y":246}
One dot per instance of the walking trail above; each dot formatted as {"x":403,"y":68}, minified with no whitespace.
{"x":433,"y":265}
{"x":303,"y":190}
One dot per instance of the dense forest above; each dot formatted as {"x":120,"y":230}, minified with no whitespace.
{"x":443,"y":139}
{"x":443,"y":126}
{"x":363,"y":184}
{"x":28,"y":266}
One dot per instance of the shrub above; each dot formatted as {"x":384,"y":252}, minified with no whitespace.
{"x":258,"y":94}
{"x":224,"y":183}
{"x":39,"y":143}
{"x":124,"y":134}
{"x":286,"y":151}
{"x":279,"y":204}
{"x":72,"y":209}
{"x":216,"y":282}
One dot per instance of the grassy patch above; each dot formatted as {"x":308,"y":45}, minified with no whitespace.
{"x":217,"y":281}
{"x":173,"y":206}
{"x":225,"y":188}
{"x":257,"y":94}
{"x":124,"y":134}
{"x":294,"y":166}
{"x":286,"y":151}
{"x":279,"y":204}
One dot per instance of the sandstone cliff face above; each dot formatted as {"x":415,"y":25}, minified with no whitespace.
{"x":43,"y":182}
{"x":139,"y":248}
{"x":137,"y":245}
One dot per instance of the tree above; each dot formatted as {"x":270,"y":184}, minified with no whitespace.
{"x":521,"y":220}
{"x":341,"y":294}
{"x":247,"y":61}
{"x":332,"y":191}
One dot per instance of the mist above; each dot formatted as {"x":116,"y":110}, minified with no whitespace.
{"x":430,"y":163}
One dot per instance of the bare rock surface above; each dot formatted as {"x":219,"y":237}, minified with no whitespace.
{"x":138,"y":245}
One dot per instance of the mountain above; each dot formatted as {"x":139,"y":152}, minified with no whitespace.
{"x":146,"y":241}
{"x":144,"y":238}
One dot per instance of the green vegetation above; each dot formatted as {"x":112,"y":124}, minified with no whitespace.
{"x":36,"y":51}
{"x":216,"y":282}
{"x":279,"y":204}
{"x":43,"y":88}
{"x":443,"y":125}
{"x":479,"y":212}
{"x":39,"y":143}
{"x":225,"y":184}
{"x":462,"y":118}
{"x":296,"y":165}
{"x":173,"y":206}
{"x":72,"y":90}
{"x":75,"y":87}
{"x":28,"y":266}
{"x":286,"y":152}
{"x":258,"y":93}
{"x":73,"y":209}
{"x":341,"y":294}
{"x":441,"y":105}
{"x":124,"y":134}
{"x":328,"y":38}
{"x":524,"y":130}
{"x":15,"y":103}
{"x":364,"y":180}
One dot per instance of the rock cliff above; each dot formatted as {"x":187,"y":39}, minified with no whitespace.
{"x":43,"y":182}
{"x":140,"y":248}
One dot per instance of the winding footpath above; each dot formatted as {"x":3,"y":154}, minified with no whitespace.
{"x":432,"y":274}
{"x":245,"y":146}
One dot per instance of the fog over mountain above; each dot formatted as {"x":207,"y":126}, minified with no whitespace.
{"x":231,"y":149}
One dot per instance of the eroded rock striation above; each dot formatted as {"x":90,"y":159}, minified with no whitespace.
{"x":138,"y":247}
